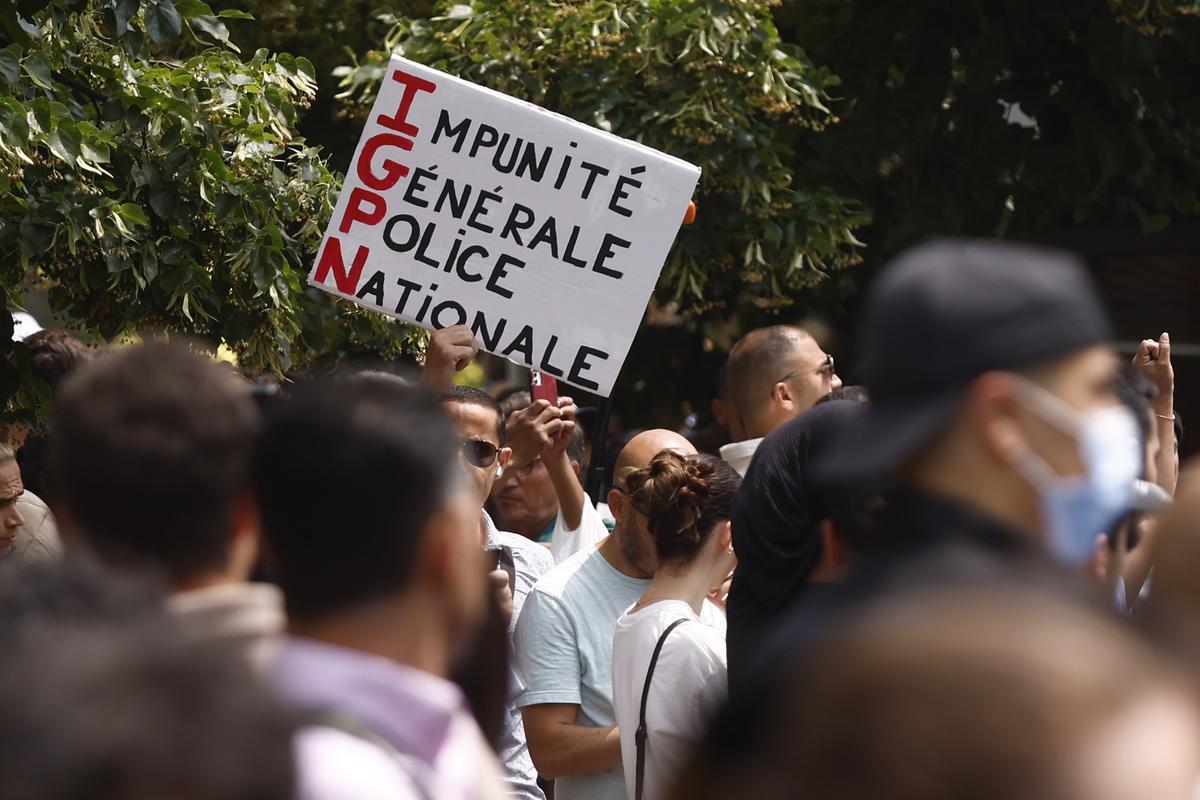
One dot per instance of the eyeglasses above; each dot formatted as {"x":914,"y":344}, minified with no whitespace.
{"x":479,"y":453}
{"x":826,"y":369}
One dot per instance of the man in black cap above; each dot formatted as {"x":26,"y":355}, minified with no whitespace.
{"x":992,"y":386}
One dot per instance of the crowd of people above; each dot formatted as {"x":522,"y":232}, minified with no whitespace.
{"x":967,"y":575}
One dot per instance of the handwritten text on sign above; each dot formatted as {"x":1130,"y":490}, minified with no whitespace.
{"x":464,"y":206}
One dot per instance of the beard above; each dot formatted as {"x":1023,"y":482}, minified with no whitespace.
{"x":636,"y":550}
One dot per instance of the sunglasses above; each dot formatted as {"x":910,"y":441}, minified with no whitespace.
{"x":479,"y":453}
{"x":827,"y":370}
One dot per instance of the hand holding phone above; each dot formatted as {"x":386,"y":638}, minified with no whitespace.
{"x":543,"y":387}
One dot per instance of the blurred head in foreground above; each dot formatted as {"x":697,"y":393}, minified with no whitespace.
{"x":992,"y":694}
{"x":369,"y":516}
{"x":104,"y":699}
{"x":150,"y":459}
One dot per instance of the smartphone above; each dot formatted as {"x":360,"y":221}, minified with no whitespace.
{"x":543,"y":387}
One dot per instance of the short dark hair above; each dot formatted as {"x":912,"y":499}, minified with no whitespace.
{"x":72,"y":591}
{"x":753,"y":361}
{"x":134,"y":710}
{"x":858,"y":394}
{"x":151,"y":447}
{"x":575,"y":445}
{"x":348,"y":474}
{"x":56,"y":354}
{"x":470,"y":396}
{"x":515,"y":401}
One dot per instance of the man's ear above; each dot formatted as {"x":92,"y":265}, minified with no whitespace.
{"x":781,"y":395}
{"x":990,"y":410}
{"x":436,"y":552}
{"x":616,"y":504}
{"x":503,"y":458}
{"x":835,"y":552}
{"x":244,"y":536}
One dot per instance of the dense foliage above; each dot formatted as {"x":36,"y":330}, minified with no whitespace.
{"x":151,"y":179}
{"x":704,"y":80}
{"x":981,"y":118}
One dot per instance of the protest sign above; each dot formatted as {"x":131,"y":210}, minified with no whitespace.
{"x":465,"y":206}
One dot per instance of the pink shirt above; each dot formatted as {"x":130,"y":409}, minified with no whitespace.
{"x":422,"y":716}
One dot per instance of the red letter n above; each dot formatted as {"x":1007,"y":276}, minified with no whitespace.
{"x":331,"y":259}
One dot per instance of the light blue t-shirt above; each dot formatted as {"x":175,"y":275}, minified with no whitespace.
{"x":564,"y":649}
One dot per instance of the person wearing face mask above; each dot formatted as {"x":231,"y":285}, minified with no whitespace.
{"x":992,"y":382}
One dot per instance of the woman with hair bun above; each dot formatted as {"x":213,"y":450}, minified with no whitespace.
{"x":669,"y":668}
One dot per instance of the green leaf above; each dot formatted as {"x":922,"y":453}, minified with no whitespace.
{"x":233,"y":13}
{"x":214,"y":28}
{"x":163,"y":23}
{"x":96,"y":151}
{"x":65,"y":142}
{"x":460,"y":11}
{"x":10,"y":63}
{"x":38,"y":70}
{"x":131,"y":212}
{"x":190,"y":9}
{"x":123,"y":11}
{"x":164,"y":202}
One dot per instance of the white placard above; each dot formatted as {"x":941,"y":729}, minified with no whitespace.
{"x":546,"y":236}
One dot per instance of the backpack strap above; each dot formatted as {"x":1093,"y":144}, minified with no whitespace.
{"x":639,"y":736}
{"x":416,"y":770}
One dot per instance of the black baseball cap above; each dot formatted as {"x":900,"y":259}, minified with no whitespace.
{"x":945,"y":312}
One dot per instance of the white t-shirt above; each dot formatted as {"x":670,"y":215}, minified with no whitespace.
{"x":690,"y":681}
{"x":564,"y":649}
{"x":566,"y":542}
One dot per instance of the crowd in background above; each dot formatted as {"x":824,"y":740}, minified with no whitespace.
{"x":969,"y":574}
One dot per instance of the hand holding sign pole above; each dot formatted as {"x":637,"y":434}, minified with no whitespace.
{"x":466,"y":207}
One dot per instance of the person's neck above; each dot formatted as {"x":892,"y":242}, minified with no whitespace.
{"x":207,"y":580}
{"x":982,"y":495}
{"x":398,"y":631}
{"x":532,"y":528}
{"x":610,"y":548}
{"x":691,"y":586}
{"x":483,"y":528}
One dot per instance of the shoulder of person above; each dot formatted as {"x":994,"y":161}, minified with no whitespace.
{"x":557,"y":581}
{"x":714,"y":617}
{"x":703,"y":640}
{"x":29,"y":500}
{"x":334,"y":765}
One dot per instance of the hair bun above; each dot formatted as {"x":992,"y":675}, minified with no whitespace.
{"x":682,"y":497}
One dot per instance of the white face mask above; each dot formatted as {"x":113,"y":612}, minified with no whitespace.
{"x":1078,"y":507}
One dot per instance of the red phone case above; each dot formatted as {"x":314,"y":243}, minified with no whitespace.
{"x":543,"y":387}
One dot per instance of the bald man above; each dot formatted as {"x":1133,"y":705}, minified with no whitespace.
{"x":776,"y":374}
{"x":564,"y":639}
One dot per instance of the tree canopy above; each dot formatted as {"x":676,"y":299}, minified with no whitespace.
{"x":986,"y":118}
{"x":151,"y":179}
{"x":152,"y":176}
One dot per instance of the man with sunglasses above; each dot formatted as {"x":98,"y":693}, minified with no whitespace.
{"x":774,"y":375}
{"x":479,"y":423}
